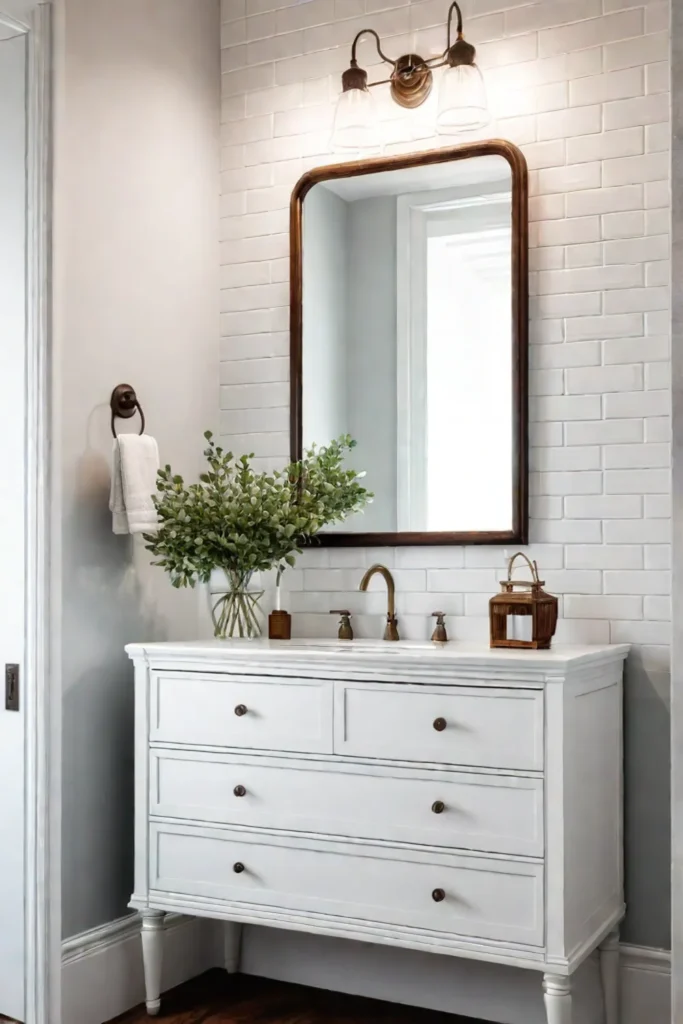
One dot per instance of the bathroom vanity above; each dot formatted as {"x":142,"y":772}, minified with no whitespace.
{"x":445,"y":798}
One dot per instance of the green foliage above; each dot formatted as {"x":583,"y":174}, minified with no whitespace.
{"x":242,"y":521}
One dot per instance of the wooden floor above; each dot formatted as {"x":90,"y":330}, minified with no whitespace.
{"x":216,"y":998}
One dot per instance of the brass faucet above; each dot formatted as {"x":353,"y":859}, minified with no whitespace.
{"x":391,"y":631}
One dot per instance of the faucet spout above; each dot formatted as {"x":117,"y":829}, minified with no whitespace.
{"x":391,"y":631}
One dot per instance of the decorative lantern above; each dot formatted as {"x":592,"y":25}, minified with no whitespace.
{"x":524,"y":620}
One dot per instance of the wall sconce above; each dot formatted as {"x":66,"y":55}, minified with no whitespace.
{"x":462,"y":94}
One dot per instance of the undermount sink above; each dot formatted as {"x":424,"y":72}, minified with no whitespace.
{"x":366,"y":646}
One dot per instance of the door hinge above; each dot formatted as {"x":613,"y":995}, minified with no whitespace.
{"x":11,"y":687}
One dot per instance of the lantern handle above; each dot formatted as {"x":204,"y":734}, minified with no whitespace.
{"x":532,"y":565}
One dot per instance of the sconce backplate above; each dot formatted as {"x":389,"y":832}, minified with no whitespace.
{"x":411,"y":81}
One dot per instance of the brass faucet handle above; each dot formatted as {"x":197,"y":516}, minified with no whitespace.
{"x":345,"y":628}
{"x":440,"y":636}
{"x":391,"y":631}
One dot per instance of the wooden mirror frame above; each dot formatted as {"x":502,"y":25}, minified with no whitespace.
{"x":520,"y":334}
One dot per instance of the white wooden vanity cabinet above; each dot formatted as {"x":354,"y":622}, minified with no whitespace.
{"x":444,"y":798}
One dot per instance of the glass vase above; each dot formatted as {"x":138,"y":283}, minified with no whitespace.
{"x":237,"y":613}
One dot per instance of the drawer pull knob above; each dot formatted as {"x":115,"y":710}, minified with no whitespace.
{"x":238,"y":868}
{"x":240,"y":710}
{"x":439,"y":724}
{"x":438,"y":807}
{"x":438,"y":895}
{"x":239,"y":791}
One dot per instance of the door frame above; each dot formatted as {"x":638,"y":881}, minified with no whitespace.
{"x":40,"y":688}
{"x":677,"y":512}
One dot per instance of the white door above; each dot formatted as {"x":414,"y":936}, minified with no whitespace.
{"x":13,"y":68}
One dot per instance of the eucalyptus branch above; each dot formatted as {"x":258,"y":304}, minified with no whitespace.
{"x":241,"y":521}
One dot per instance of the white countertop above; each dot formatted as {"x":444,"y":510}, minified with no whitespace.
{"x":376,"y":651}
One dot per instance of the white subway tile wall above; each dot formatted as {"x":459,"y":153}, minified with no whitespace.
{"x":583,"y":88}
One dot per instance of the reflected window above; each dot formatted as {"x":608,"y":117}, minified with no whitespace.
{"x":459,"y":342}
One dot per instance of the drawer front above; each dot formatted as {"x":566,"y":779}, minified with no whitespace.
{"x":241,"y":711}
{"x":495,"y":814}
{"x":482,"y":897}
{"x":478,"y":726}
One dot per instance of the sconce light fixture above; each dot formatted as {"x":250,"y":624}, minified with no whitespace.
{"x":462,"y":102}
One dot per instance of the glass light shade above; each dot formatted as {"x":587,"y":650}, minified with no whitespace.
{"x":355,"y":122}
{"x":462,"y":100}
{"x":423,"y":119}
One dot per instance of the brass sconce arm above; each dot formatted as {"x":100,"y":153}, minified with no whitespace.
{"x":411,"y":79}
{"x":458,"y":52}
{"x":378,"y":42}
{"x":454,"y":8}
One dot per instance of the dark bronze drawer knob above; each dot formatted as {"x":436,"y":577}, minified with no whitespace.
{"x":438,"y":807}
{"x":439,"y":724}
{"x":238,"y":868}
{"x":239,"y":791}
{"x":240,"y":710}
{"x":438,"y":895}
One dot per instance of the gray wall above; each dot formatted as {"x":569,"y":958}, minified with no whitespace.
{"x":647,"y":769}
{"x":136,"y":284}
{"x":372,"y":353}
{"x":349,"y":339}
{"x":325,"y":226}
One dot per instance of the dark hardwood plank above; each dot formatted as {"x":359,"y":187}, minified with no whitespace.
{"x":216,"y":998}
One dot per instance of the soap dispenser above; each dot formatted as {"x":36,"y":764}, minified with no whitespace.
{"x":440,"y":636}
{"x":345,"y":628}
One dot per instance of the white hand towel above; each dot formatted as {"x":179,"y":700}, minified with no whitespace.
{"x":134,"y":481}
{"x":117,"y":506}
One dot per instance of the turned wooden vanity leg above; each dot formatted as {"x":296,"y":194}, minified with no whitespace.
{"x":609,"y":970}
{"x":232,"y":945}
{"x":152,"y":957}
{"x":558,"y":999}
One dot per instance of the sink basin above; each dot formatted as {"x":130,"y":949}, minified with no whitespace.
{"x":401,"y":646}
{"x":366,"y":646}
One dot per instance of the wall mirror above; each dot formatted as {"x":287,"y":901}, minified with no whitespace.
{"x":409,"y":332}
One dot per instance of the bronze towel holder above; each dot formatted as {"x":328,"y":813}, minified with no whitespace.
{"x":124,"y":404}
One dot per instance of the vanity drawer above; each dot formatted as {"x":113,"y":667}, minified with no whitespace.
{"x":483,"y":727}
{"x":496,"y":814}
{"x":482,"y":896}
{"x":241,"y":711}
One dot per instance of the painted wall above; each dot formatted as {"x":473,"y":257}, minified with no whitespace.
{"x":372,"y":354}
{"x":349,"y":335}
{"x":136,"y":279}
{"x":13,"y":65}
{"x":325,"y":406}
{"x":583,"y":89}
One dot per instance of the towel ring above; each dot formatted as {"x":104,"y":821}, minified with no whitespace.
{"x":124,"y":403}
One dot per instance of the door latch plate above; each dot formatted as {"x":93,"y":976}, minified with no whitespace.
{"x":11,"y":687}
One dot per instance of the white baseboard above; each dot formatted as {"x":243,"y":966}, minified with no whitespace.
{"x":102,"y":973}
{"x":645,"y":985}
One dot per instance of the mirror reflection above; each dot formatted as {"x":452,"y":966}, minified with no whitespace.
{"x":408,"y":340}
